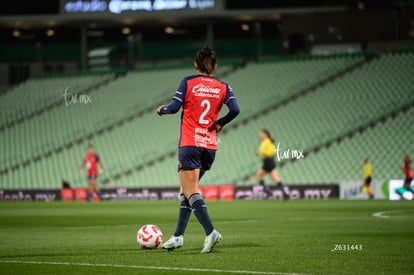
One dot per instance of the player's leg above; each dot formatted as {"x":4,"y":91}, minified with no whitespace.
{"x":368,"y":187}
{"x":274,"y":175}
{"x":207,"y":160}
{"x":183,"y":215}
{"x":96,"y":189}
{"x":406,"y":191}
{"x":410,"y":187}
{"x":259,"y":178}
{"x":407,"y":183}
{"x":91,"y":187}
{"x":259,"y":175}
{"x":189,"y":183}
{"x":407,"y":186}
{"x":184,"y":212}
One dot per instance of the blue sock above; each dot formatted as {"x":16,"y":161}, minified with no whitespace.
{"x":200,"y":211}
{"x":90,"y":196}
{"x":183,"y":216}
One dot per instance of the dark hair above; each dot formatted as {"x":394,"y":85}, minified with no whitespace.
{"x":65,"y":185}
{"x":267,"y":133}
{"x":206,"y":60}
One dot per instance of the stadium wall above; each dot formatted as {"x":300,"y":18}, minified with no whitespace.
{"x":353,"y":190}
{"x":211,"y":193}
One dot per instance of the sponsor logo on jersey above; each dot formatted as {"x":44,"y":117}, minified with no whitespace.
{"x":206,"y":91}
{"x":204,"y":141}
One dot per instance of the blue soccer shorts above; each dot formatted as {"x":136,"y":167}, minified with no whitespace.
{"x":192,"y":157}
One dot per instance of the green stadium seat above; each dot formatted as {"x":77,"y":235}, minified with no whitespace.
{"x":333,"y":110}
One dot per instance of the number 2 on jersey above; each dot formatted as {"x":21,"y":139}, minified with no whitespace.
{"x":205,"y":103}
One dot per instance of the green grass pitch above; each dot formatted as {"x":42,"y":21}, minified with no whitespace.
{"x":259,"y":237}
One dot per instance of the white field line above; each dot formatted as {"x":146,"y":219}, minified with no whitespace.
{"x":189,"y":269}
{"x":382,"y":214}
{"x":326,"y":218}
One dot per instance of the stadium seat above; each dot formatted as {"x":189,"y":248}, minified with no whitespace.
{"x":331,"y":111}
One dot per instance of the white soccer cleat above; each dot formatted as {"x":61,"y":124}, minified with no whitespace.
{"x":173,"y":243}
{"x":210,"y":241}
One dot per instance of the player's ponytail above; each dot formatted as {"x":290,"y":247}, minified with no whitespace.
{"x":267,"y":133}
{"x":205,"y":60}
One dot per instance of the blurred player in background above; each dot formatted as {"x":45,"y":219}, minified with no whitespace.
{"x":408,"y":173}
{"x":202,"y":97}
{"x":91,"y":161}
{"x":367,"y":178}
{"x":267,"y":151}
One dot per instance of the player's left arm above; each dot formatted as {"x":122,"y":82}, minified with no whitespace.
{"x":177,"y":100}
{"x":234,"y":110}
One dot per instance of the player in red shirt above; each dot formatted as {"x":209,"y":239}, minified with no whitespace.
{"x":91,"y":162}
{"x":408,"y":173}
{"x":201,"y":96}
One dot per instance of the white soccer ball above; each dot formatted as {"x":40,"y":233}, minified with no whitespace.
{"x":149,"y":236}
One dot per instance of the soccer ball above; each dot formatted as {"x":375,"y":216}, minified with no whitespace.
{"x":149,"y":236}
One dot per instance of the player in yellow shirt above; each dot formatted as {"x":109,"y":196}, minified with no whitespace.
{"x":366,"y":188}
{"x":267,"y":151}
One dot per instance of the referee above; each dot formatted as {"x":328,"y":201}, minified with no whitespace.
{"x":367,"y":178}
{"x":267,"y":151}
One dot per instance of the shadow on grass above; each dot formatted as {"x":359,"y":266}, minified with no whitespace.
{"x":220,"y":248}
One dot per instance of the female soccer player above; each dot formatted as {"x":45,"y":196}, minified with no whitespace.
{"x":408,"y":173}
{"x":201,"y":97}
{"x":91,"y":161}
{"x":267,"y":151}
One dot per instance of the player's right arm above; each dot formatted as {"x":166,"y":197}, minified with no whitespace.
{"x":177,"y":100}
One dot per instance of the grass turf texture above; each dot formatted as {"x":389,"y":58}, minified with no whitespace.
{"x":262,"y":236}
